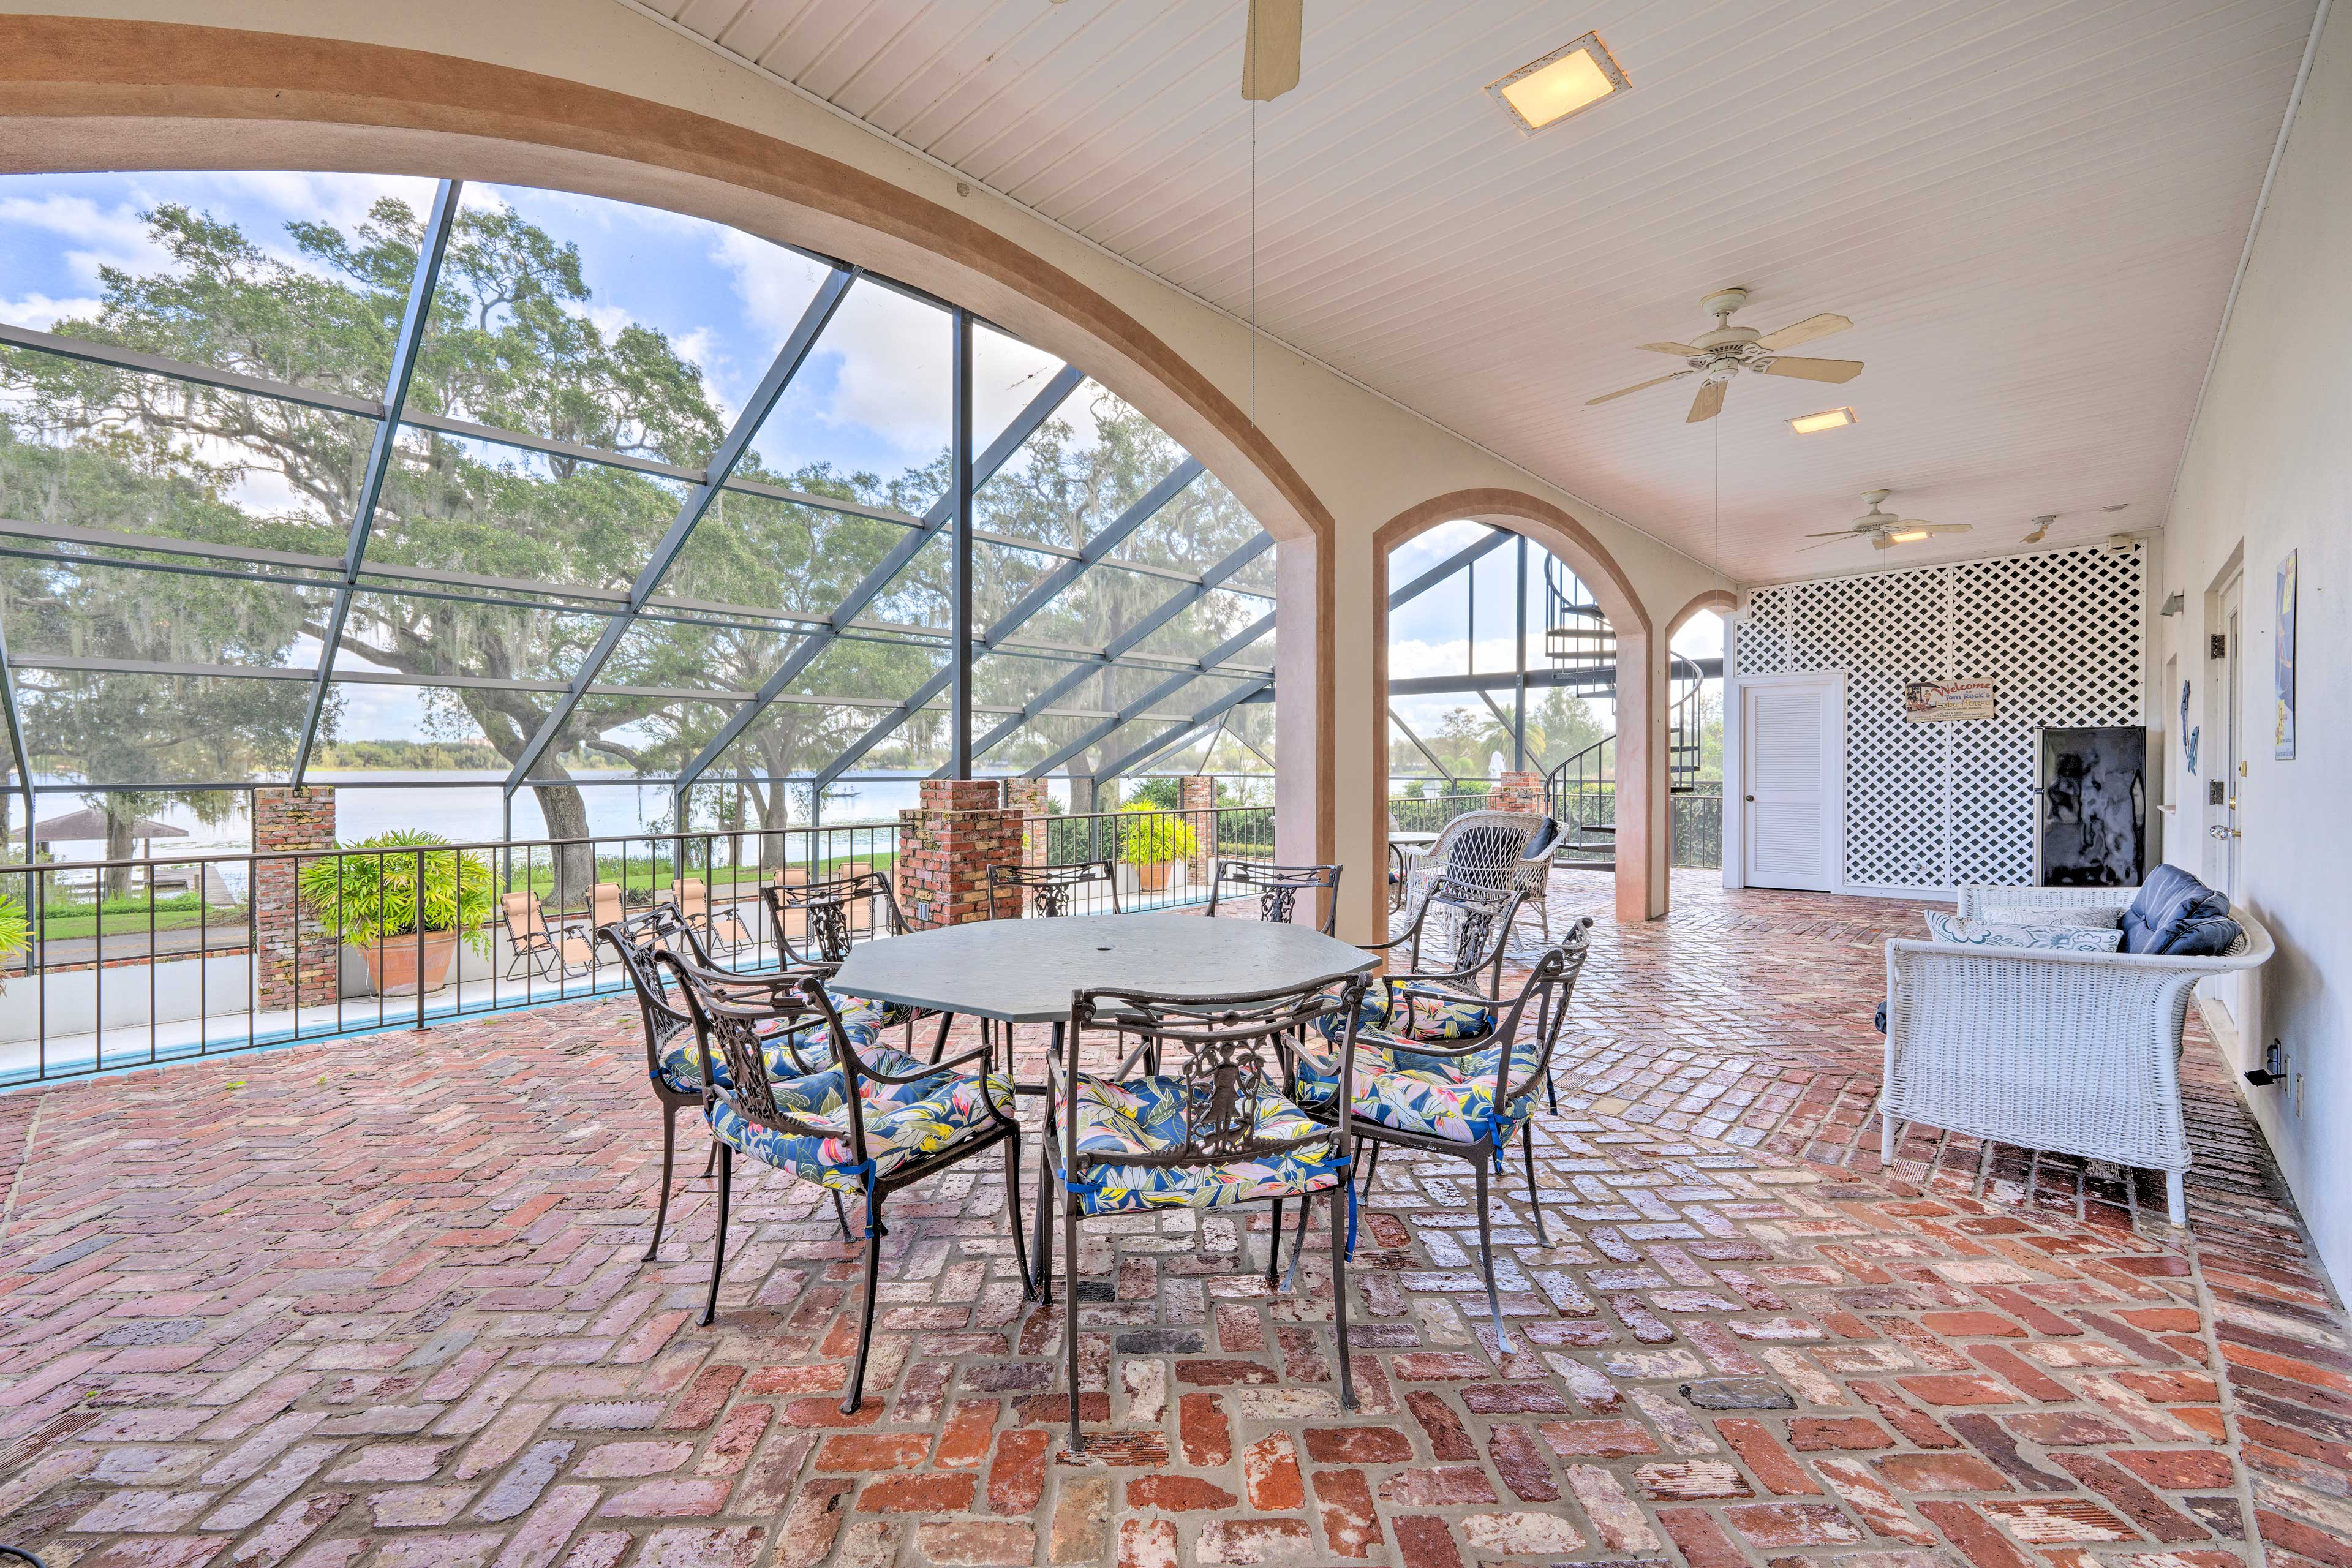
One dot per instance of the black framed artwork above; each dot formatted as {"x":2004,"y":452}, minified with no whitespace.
{"x":2090,"y":811}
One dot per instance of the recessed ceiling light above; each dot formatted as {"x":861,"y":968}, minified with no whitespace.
{"x":1827,"y":419}
{"x":1547,"y":91}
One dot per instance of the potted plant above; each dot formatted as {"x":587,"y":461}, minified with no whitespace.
{"x":16,"y":934}
{"x":1152,"y":841}
{"x":373,"y":903}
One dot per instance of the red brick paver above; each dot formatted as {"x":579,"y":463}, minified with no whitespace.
{"x":379,"y":1302}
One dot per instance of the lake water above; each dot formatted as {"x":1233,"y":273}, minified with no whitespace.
{"x":618,"y":803}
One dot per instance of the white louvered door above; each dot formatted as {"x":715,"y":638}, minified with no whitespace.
{"x":1789,"y":740}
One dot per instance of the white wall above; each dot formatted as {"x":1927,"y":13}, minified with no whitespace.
{"x":2269,"y":470}
{"x":2062,"y":635}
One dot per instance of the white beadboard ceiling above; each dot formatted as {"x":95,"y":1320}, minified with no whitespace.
{"x":2032,"y":209}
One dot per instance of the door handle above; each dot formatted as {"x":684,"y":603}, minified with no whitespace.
{"x":2218,"y":831}
{"x":1750,"y":799}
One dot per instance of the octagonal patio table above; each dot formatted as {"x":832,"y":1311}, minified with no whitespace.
{"x":1025,"y":971}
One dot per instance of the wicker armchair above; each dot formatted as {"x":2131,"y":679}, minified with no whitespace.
{"x":1477,"y":849}
{"x":2076,"y":1053}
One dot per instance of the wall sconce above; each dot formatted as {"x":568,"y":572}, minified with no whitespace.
{"x":2172,"y":605}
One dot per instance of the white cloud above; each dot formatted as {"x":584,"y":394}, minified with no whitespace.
{"x":340,"y":199}
{"x":96,"y":236}
{"x":40,"y":310}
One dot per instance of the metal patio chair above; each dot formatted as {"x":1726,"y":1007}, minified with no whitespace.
{"x":722,"y":929}
{"x":1278,"y":888}
{"x":1046,"y":890}
{"x":1214,"y":1132}
{"x":826,"y":914}
{"x":874,"y":1122}
{"x":1466,"y":1099}
{"x":673,"y":1053}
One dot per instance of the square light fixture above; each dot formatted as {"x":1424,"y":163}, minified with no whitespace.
{"x":1566,"y":81}
{"x":1827,"y":419}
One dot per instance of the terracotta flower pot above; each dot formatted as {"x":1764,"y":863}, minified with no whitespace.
{"x":393,"y":964}
{"x":1153,"y":878}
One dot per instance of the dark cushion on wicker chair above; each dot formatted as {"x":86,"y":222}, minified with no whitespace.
{"x":2177,"y":915}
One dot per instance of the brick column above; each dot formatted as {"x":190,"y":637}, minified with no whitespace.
{"x":294,"y":956}
{"x":1027,"y":798}
{"x":1517,"y":792}
{"x":1199,"y":803}
{"x":945,"y":847}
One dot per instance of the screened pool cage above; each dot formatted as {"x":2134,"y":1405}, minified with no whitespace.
{"x":402,"y":496}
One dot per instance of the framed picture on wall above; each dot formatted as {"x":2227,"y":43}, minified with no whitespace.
{"x":2284,"y":677}
{"x":2090,"y":811}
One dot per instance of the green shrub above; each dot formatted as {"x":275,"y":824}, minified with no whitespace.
{"x":1153,"y":837}
{"x":374,"y":897}
{"x":15,"y":931}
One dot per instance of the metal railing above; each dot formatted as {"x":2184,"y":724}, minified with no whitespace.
{"x":212,"y":953}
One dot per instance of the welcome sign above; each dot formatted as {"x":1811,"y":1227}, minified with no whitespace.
{"x":1932,"y":701}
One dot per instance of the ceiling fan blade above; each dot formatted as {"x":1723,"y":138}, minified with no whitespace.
{"x":1680,"y":351}
{"x":1270,"y":52}
{"x":1653,"y":381}
{"x":1816,"y":369}
{"x":1824,"y":545}
{"x":1708,"y":403}
{"x":1841,"y":534}
{"x":1802,"y":331}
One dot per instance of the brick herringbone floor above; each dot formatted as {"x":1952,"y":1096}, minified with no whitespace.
{"x":379,"y":1302}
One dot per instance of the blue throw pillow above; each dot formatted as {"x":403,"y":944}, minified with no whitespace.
{"x":2177,"y":915}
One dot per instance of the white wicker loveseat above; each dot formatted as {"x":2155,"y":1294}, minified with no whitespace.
{"x":2076,"y":1053}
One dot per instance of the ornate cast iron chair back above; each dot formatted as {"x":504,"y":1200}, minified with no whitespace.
{"x":635,"y":940}
{"x":1519,"y":1069}
{"x":1229,"y":1051}
{"x":1278,"y":888}
{"x":1047,"y":890}
{"x":1478,"y":928}
{"x":828,"y":910}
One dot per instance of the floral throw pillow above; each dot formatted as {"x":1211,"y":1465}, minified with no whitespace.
{"x":2103,"y":917}
{"x":1986,"y":934}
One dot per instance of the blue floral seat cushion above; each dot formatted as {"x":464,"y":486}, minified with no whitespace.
{"x":681,"y":1059}
{"x":1146,"y":1116}
{"x":903,"y":1120}
{"x":1427,"y":1018}
{"x":1442,"y":1097}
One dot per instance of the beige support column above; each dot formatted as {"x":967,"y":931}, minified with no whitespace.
{"x":1643,"y":843}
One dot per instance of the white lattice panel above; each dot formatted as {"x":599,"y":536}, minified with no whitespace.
{"x":1934,"y":805}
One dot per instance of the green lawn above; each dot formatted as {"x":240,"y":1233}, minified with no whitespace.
{"x":184,"y":912}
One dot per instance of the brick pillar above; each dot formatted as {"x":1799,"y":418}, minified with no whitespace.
{"x":945,"y":847}
{"x":1517,"y":792}
{"x":1199,"y":803}
{"x":294,"y":954}
{"x":1027,"y":797}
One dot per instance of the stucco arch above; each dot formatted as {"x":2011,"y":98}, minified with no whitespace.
{"x":83,"y":93}
{"x":1721,"y":600}
{"x":1640,"y":653}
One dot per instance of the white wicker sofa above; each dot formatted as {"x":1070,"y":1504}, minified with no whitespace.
{"x":2076,"y":1053}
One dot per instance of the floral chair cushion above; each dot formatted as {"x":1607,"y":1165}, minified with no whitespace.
{"x":903,"y":1120}
{"x":1428,"y":1018}
{"x":1146,"y":1116}
{"x":681,"y":1057}
{"x":1440,"y":1097}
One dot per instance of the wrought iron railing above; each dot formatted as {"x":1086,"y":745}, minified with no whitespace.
{"x":211,"y":954}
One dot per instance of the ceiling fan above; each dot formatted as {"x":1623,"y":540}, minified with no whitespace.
{"x":1720,"y":354}
{"x":1883,"y":529}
